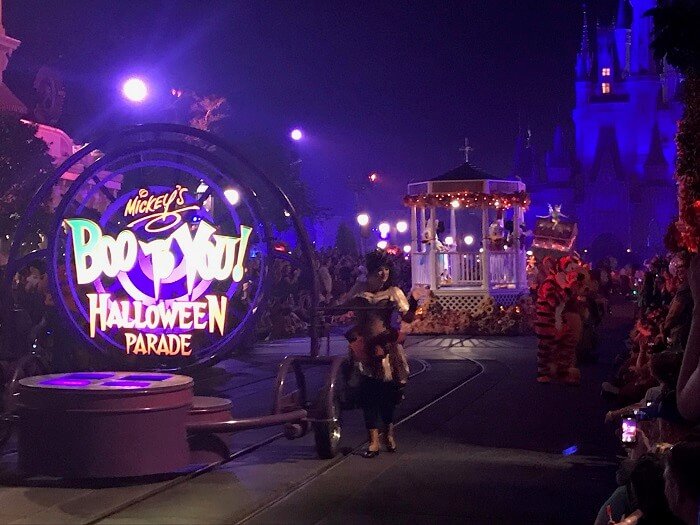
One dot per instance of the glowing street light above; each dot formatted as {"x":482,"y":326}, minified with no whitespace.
{"x":135,"y":90}
{"x":449,"y":240}
{"x":468,"y":240}
{"x":296,"y":134}
{"x":232,"y":196}
{"x":401,"y":226}
{"x":384,"y":229}
{"x":373,"y":177}
{"x":382,"y":245}
{"x":407,"y":249}
{"x":455,"y":203}
{"x":363,"y":219}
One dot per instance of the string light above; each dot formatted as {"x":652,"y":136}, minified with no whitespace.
{"x":468,"y":199}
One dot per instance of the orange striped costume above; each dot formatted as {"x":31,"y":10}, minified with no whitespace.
{"x":549,"y":296}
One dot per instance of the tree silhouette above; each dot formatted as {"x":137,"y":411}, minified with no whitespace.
{"x":207,"y":111}
{"x":24,"y":164}
{"x":345,"y":240}
{"x":677,"y":42}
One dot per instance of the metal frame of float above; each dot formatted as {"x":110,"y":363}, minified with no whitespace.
{"x":126,"y":424}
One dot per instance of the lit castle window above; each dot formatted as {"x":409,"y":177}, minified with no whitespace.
{"x":605,"y":88}
{"x":605,"y":72}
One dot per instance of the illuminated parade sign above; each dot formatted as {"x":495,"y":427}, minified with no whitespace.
{"x":159,"y":278}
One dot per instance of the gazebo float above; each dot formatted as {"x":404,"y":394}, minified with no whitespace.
{"x":461,"y":267}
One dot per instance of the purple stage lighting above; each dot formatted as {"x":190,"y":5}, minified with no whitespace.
{"x":135,"y":90}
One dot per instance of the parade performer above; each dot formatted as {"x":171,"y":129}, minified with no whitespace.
{"x":376,"y":349}
{"x":549,"y":296}
{"x":558,"y":322}
{"x":573,"y":279}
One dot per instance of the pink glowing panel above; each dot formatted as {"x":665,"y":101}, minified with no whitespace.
{"x":147,"y":377}
{"x":127,"y":384}
{"x":89,"y":375}
{"x":61,"y":381}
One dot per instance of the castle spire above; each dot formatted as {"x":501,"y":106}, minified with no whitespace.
{"x":583,"y":60}
{"x":558,"y":157}
{"x":623,"y":20}
{"x":585,"y":43}
{"x":656,"y":154}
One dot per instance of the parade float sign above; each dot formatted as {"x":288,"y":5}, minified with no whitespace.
{"x":154,"y":283}
{"x":157,"y":249}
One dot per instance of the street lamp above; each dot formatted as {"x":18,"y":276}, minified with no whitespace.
{"x":468,"y":240}
{"x":232,"y":196}
{"x":382,"y":245}
{"x":373,"y":177}
{"x":296,"y":134}
{"x":384,"y":229}
{"x":401,"y":226}
{"x":363,"y":221}
{"x":407,"y":249}
{"x":135,"y":90}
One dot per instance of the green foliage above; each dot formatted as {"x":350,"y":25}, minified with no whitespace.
{"x":677,"y":34}
{"x":345,"y":240}
{"x":24,"y":164}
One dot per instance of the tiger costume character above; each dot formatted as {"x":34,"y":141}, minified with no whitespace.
{"x":549,"y":296}
{"x":558,"y":323}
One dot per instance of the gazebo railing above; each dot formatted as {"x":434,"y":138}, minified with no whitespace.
{"x":502,"y":269}
{"x":420,"y":268}
{"x":464,"y":269}
{"x":459,"y":269}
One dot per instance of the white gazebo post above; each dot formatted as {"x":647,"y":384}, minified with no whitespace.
{"x":432,"y":252}
{"x":421,"y":229}
{"x":485,"y":257}
{"x":518,"y":245}
{"x":453,"y":225}
{"x":414,"y":230}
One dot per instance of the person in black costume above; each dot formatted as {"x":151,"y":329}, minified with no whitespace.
{"x":376,"y":348}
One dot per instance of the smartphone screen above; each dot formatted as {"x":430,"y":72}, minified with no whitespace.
{"x":629,"y":430}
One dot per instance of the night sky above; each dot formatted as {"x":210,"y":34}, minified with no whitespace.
{"x":387,"y":86}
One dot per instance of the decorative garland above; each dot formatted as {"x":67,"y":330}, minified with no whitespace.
{"x":688,"y":166}
{"x":487,"y":319}
{"x":468,"y":199}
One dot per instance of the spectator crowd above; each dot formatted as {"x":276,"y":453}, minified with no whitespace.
{"x":655,"y":389}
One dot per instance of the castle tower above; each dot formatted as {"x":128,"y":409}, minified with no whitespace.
{"x":618,"y":180}
{"x":559,"y":166}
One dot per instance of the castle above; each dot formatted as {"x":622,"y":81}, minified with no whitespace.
{"x":614,"y":175}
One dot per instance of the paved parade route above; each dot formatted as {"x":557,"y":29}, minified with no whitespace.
{"x":479,"y":442}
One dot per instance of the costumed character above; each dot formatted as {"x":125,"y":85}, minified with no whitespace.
{"x":555,"y":214}
{"x":376,"y":347}
{"x":497,"y":234}
{"x":572,"y":278}
{"x":550,"y":296}
{"x":431,"y":231}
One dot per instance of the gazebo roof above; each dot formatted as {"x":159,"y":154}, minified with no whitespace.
{"x":466,"y":172}
{"x":472,"y":186}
